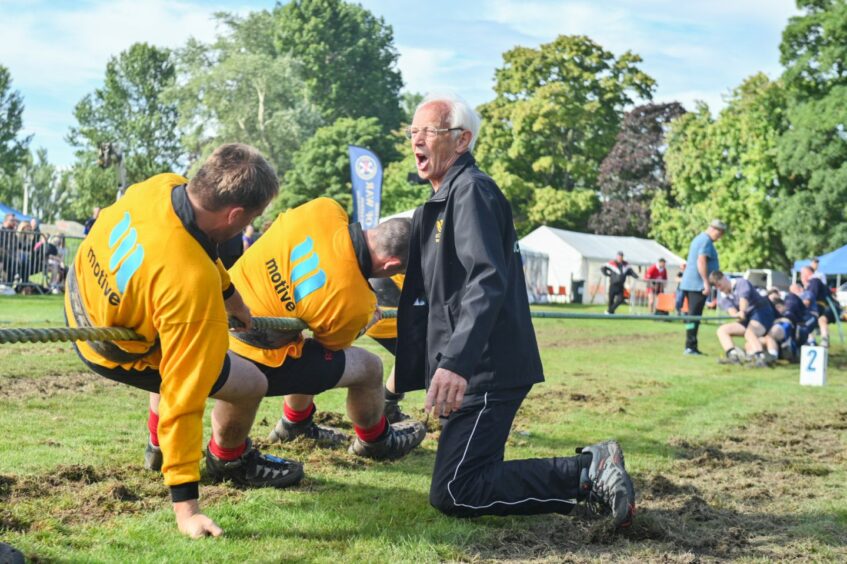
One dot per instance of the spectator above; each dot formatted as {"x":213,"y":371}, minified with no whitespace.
{"x":816,"y":273}
{"x":89,"y":223}
{"x":25,"y":252}
{"x":680,"y":295}
{"x":617,"y":270}
{"x":248,"y":238}
{"x":703,"y":256}
{"x":657,"y":275}
{"x":8,"y":247}
{"x":56,"y":268}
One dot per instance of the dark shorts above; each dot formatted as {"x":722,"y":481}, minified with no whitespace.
{"x":819,"y":309}
{"x":389,"y":344}
{"x":149,"y":379}
{"x":764,"y":315}
{"x":316,"y":371}
{"x":787,"y":328}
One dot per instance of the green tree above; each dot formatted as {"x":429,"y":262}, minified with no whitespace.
{"x":813,"y":150}
{"x":240,"y":89}
{"x":557,"y":110}
{"x":558,"y":208}
{"x":13,"y":147}
{"x":128,"y":110}
{"x":322,"y":165}
{"x":349,"y":59}
{"x":727,"y":168}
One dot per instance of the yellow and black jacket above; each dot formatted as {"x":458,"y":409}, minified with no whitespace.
{"x":145,"y":265}
{"x":387,"y":328}
{"x":311,"y":264}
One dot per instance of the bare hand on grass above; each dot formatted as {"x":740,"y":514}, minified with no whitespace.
{"x":192,"y":522}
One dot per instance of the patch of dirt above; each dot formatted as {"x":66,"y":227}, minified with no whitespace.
{"x":333,"y":419}
{"x":79,"y":494}
{"x":52,"y":385}
{"x":730,"y":497}
{"x":577,"y":339}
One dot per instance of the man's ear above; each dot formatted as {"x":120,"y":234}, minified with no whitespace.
{"x":393,"y":264}
{"x":464,"y":142}
{"x":235,"y":215}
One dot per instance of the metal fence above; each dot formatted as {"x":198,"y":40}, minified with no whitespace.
{"x":34,"y":263}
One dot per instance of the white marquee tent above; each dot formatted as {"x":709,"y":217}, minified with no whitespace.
{"x":578,"y":257}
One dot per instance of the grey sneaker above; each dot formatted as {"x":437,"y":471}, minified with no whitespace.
{"x":399,"y":441}
{"x":153,"y":457}
{"x":825,"y":342}
{"x":609,"y":487}
{"x":286,"y":431}
{"x":10,"y":555}
{"x":393,"y":412}
{"x":733,"y":356}
{"x":254,"y":469}
{"x":692,"y":352}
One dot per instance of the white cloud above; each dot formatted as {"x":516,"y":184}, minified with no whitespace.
{"x":57,"y":48}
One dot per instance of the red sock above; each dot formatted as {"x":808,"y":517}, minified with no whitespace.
{"x":295,"y":416}
{"x":153,"y":427}
{"x":226,"y":453}
{"x":374,"y":433}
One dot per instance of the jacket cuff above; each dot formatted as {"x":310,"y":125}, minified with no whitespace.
{"x":229,"y":291}
{"x":454,"y":366}
{"x":185,"y":492}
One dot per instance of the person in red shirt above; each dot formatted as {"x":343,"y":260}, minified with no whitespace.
{"x":657,"y":275}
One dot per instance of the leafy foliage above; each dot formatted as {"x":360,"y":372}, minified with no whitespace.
{"x":349,"y":59}
{"x":812,"y":151}
{"x":13,"y":147}
{"x":130,"y":110}
{"x":240,"y":89}
{"x":634,"y":170}
{"x":38,"y":188}
{"x":322,"y":166}
{"x":727,"y":168}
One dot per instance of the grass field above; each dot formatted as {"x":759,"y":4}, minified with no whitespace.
{"x":729,"y":463}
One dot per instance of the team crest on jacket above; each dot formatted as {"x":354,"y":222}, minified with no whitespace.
{"x":439,"y":226}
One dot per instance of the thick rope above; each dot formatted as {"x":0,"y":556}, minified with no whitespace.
{"x":67,"y":334}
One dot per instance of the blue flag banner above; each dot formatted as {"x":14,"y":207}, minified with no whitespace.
{"x":366,"y":174}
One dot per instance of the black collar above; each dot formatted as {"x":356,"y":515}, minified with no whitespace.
{"x":185,"y":213}
{"x":464,"y":160}
{"x":360,"y":247}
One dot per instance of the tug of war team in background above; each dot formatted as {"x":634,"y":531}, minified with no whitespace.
{"x":774,"y":324}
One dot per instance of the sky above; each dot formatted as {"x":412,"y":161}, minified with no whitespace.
{"x":56,"y":51}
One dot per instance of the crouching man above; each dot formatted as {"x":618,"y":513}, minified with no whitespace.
{"x":755,"y":318}
{"x":314,"y":265}
{"x":465,"y":333}
{"x":150,"y":264}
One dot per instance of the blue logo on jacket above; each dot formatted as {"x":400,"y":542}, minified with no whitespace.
{"x":306,"y":277}
{"x":126,"y":252}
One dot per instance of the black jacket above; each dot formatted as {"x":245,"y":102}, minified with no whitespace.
{"x":464,"y":303}
{"x":617,"y":272}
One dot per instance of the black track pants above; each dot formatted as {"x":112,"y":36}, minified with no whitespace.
{"x":696,"y":302}
{"x":470,"y":477}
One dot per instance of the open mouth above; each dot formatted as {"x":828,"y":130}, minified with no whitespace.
{"x":421,"y":160}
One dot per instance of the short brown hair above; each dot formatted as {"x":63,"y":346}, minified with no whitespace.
{"x":235,"y":175}
{"x":392,"y":238}
{"x":716,"y":276}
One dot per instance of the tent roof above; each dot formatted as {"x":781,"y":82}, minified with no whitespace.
{"x":4,"y":209}
{"x":605,"y":247}
{"x":830,"y":263}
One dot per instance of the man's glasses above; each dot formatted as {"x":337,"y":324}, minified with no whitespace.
{"x":428,"y":132}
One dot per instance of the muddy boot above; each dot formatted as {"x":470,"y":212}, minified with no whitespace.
{"x":254,"y":469}
{"x":609,"y":487}
{"x":392,"y":407}
{"x":286,"y":431}
{"x":399,"y":441}
{"x":153,"y":458}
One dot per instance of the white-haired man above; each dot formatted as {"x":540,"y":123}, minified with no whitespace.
{"x":465,"y":334}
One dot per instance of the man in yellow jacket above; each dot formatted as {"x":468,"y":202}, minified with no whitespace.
{"x":314,"y":265}
{"x":150,"y":264}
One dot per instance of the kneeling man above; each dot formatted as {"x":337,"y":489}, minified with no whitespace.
{"x":755,"y":318}
{"x":314,"y":265}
